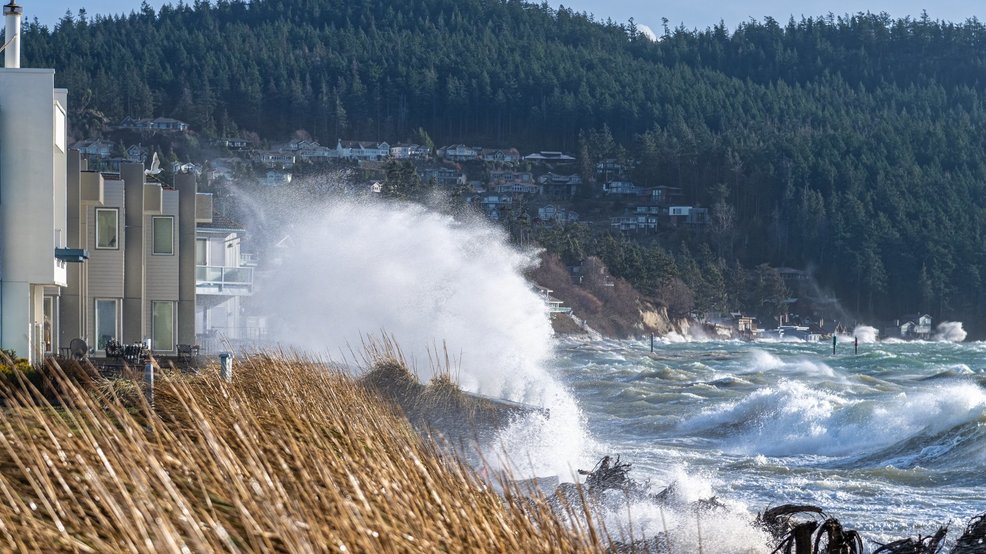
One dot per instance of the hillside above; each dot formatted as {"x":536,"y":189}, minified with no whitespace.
{"x":849,"y":145}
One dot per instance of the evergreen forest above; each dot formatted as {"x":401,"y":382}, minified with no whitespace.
{"x":853,"y":146}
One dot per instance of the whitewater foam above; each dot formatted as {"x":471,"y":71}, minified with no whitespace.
{"x":794,"y":419}
{"x":434,"y":285}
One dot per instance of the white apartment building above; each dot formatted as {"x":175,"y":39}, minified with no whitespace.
{"x":33,"y":253}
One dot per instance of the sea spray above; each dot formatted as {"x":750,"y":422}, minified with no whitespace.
{"x":865,"y":334}
{"x":432,"y":283}
{"x":950,"y":331}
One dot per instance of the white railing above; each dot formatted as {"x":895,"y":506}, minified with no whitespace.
{"x":238,"y":280}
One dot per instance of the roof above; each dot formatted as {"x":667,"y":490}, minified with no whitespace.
{"x":221,"y":223}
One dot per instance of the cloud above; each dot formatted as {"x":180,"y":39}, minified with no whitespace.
{"x":647,"y":32}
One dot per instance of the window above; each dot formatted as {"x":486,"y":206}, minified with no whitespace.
{"x":106,"y":322}
{"x":49,"y":323}
{"x":59,"y":128}
{"x":107,"y":228}
{"x":201,"y":251}
{"x":164,"y":235}
{"x":162,"y":326}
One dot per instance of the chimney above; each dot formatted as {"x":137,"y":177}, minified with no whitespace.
{"x":12,"y":39}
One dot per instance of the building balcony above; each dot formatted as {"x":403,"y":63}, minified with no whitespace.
{"x":223,"y":280}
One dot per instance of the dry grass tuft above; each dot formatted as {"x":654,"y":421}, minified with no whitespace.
{"x":290,"y":457}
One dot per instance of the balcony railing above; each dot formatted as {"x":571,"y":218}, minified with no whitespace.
{"x":217,"y":279}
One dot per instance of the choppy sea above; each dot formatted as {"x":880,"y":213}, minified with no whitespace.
{"x":890,"y":440}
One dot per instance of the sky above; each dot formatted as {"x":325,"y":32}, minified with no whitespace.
{"x":690,"y":13}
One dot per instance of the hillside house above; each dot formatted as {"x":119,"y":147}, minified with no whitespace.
{"x":410,"y":152}
{"x":549,"y":157}
{"x":621,"y":188}
{"x":138,"y":153}
{"x":186,"y":167}
{"x":362,"y":150}
{"x":273,"y":158}
{"x":277,"y":178}
{"x":94,"y":148}
{"x":443,"y":176}
{"x":459,"y":153}
{"x":233,"y":143}
{"x":635,"y":222}
{"x":496,"y":155}
{"x":513,"y":182}
{"x":664,"y":196}
{"x":689,"y":215}
{"x":559,"y":187}
{"x":556,"y":214}
{"x":166,"y":124}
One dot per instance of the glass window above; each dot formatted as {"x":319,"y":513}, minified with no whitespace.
{"x":106,"y":327}
{"x":107,"y":228}
{"x":201,"y":251}
{"x":162,"y":325}
{"x":164,"y":235}
{"x":49,"y":323}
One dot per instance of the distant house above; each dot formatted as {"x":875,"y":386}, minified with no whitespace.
{"x":443,"y":176}
{"x":156,"y":124}
{"x":186,"y":167}
{"x":625,"y":188}
{"x":318,"y":154}
{"x":513,"y":182}
{"x":233,"y":143}
{"x":689,"y":215}
{"x":496,"y":155}
{"x":138,"y":153}
{"x":549,"y":156}
{"x":273,"y":158}
{"x":297,"y":145}
{"x":362,"y":150}
{"x":916,"y":326}
{"x":410,"y":152}
{"x":609,"y":168}
{"x":664,"y":195}
{"x":557,"y":214}
{"x":635,"y":222}
{"x":559,"y":187}
{"x":98,"y":148}
{"x":459,"y":153}
{"x":277,"y":178}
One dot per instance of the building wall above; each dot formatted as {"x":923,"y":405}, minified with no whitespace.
{"x":32,"y":202}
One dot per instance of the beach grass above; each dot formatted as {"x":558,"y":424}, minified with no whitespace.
{"x":289,"y":457}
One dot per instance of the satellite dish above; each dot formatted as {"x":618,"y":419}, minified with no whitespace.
{"x":155,"y":166}
{"x":79,"y":349}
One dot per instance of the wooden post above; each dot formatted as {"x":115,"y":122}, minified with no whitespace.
{"x":652,"y":342}
{"x":226,"y":366}
{"x":834,"y":339}
{"x":855,"y":347}
{"x":149,"y":383}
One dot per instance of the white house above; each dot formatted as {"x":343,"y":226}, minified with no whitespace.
{"x":549,"y":156}
{"x":98,"y":148}
{"x":223,"y":279}
{"x":410,"y":152}
{"x":498,"y":155}
{"x":33,"y":253}
{"x":459,"y":153}
{"x":621,"y":187}
{"x":277,"y":178}
{"x":362,"y":150}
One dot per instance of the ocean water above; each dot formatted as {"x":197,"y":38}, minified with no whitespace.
{"x":892,"y":440}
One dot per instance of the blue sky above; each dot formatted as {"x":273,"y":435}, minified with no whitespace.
{"x":691,"y":13}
